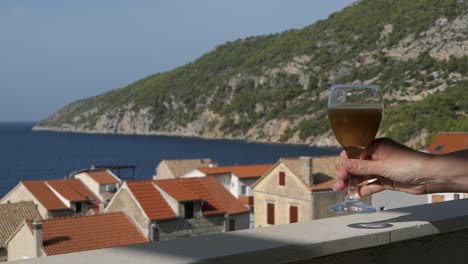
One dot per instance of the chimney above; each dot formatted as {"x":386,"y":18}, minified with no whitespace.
{"x":101,"y":208}
{"x":309,"y":169}
{"x":213,"y":164}
{"x":154,"y":232}
{"x":37,"y":233}
{"x":306,"y":170}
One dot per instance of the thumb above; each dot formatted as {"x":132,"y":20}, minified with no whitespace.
{"x":362,"y":167}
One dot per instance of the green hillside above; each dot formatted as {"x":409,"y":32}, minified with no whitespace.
{"x":274,"y":87}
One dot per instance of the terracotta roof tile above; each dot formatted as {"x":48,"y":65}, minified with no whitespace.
{"x":74,"y":234}
{"x":44,"y":195}
{"x":12,"y":215}
{"x":73,"y":190}
{"x":151,"y":200}
{"x":241,"y":171}
{"x":217,"y":198}
{"x":448,"y":142}
{"x":181,"y":167}
{"x":177,"y":190}
{"x":103,"y":177}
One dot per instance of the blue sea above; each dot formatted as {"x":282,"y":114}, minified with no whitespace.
{"x":38,"y":155}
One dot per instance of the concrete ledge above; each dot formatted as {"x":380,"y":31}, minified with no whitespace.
{"x":288,"y":243}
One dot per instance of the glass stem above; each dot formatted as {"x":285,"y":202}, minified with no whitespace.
{"x":353,"y":189}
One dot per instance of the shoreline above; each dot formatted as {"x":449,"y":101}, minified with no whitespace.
{"x":167,"y":134}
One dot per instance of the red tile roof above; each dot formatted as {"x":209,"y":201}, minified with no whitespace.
{"x":74,"y":234}
{"x":448,"y":142}
{"x":151,"y":200}
{"x":226,"y":201}
{"x":241,"y":171}
{"x":177,"y":190}
{"x":216,"y":198}
{"x":103,"y":177}
{"x":44,"y":195}
{"x":73,"y":190}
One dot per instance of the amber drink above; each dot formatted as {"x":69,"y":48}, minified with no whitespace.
{"x":355,"y":112}
{"x":355,"y":128}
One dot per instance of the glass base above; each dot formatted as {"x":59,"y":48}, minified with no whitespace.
{"x":352,"y":206}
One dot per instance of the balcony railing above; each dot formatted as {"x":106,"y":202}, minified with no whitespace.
{"x":368,"y":238}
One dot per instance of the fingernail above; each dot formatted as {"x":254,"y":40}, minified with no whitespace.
{"x":333,"y":188}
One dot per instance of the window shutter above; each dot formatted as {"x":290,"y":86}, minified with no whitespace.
{"x":271,"y":214}
{"x":282,"y":178}
{"x":293,"y":214}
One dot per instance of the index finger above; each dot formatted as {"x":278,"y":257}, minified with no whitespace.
{"x":343,"y":155}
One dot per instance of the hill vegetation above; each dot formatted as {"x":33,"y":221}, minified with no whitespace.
{"x":275,"y":87}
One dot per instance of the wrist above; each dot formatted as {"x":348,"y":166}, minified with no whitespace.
{"x":430,"y":169}
{"x":450,"y":168}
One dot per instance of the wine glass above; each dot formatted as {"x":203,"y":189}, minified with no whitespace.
{"x":355,"y":112}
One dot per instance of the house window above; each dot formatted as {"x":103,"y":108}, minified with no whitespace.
{"x":438,"y":148}
{"x":270,"y":214}
{"x":244,"y":189}
{"x":78,"y":208}
{"x":293,"y":214}
{"x":111,"y":188}
{"x":282,"y":178}
{"x":188,"y":207}
{"x":232,"y":224}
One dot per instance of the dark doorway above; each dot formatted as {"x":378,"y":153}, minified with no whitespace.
{"x":78,"y":207}
{"x":188,"y":210}
{"x":232,"y":224}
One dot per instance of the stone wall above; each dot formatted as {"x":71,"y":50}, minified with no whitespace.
{"x":294,"y":193}
{"x":22,"y":245}
{"x":336,"y":239}
{"x":242,"y":221}
{"x":123,"y":202}
{"x":181,"y":228}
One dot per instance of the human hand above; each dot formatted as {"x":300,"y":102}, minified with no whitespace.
{"x":395,"y":166}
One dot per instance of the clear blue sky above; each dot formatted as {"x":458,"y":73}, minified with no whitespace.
{"x":54,"y":52}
